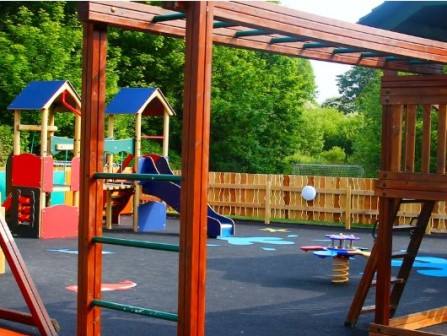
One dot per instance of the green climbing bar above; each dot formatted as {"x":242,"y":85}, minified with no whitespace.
{"x":287,"y":39}
{"x":137,"y":243}
{"x":222,"y":24}
{"x":168,"y":17}
{"x":252,"y":32}
{"x":137,"y":177}
{"x":136,"y":310}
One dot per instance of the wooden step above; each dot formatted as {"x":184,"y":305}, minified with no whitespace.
{"x":398,"y":228}
{"x":398,"y":255}
{"x":368,"y":309}
{"x":410,"y":201}
{"x":393,"y":280}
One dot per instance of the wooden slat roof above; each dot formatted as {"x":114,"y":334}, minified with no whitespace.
{"x":269,"y":27}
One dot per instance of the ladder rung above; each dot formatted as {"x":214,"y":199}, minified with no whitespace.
{"x":168,"y":17}
{"x":403,"y":227}
{"x":368,"y":309}
{"x":137,"y":177}
{"x":410,"y":201}
{"x":393,"y":280}
{"x":137,"y":243}
{"x":136,"y":310}
{"x":398,"y":255}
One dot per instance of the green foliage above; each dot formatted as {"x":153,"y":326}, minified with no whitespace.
{"x":326,"y":136}
{"x":257,"y":100}
{"x":366,"y":146}
{"x":350,"y":85}
{"x":38,"y":45}
{"x":5,"y":143}
{"x":334,"y":155}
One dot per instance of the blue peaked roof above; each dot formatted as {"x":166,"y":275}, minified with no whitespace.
{"x":37,"y":94}
{"x":130,"y":100}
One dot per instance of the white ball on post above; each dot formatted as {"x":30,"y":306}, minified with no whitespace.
{"x":309,"y":193}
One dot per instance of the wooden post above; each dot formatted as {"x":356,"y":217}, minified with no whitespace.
{"x":410,"y":137}
{"x":44,"y":133}
{"x":391,"y":161}
{"x":426,"y":139}
{"x":110,"y":131}
{"x":384,"y":245}
{"x":16,"y":145}
{"x":165,"y":133}
{"x":51,"y":116}
{"x":195,"y":154}
{"x":91,"y":190}
{"x":348,"y":206}
{"x":442,"y":129}
{"x":76,"y":151}
{"x":268,"y":200}
{"x":137,"y":186}
{"x":77,"y":136}
{"x":43,"y":152}
{"x":396,"y":138}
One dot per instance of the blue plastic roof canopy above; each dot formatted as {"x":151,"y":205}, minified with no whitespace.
{"x":147,"y":101}
{"x":39,"y":94}
{"x":130,"y":100}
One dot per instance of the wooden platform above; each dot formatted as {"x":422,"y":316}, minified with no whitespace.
{"x":410,"y":325}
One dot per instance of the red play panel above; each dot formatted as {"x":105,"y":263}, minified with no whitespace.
{"x":59,"y":221}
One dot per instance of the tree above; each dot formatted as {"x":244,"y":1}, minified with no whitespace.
{"x":257,"y":100}
{"x":351,"y":84}
{"x":257,"y":97}
{"x":41,"y":41}
{"x":366,"y":146}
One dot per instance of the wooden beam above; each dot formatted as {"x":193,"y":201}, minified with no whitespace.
{"x":137,"y":16}
{"x":442,"y":138}
{"x":195,"y":152}
{"x":282,"y":20}
{"x":421,"y":319}
{"x":36,"y":128}
{"x":387,"y":210}
{"x":16,"y":143}
{"x":137,"y":185}
{"x":426,"y":139}
{"x":410,"y":137}
{"x":91,"y":190}
{"x":396,"y":138}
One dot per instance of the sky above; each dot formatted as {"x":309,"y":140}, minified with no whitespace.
{"x":346,"y":10}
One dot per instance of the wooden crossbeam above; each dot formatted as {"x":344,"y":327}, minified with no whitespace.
{"x":282,"y":21}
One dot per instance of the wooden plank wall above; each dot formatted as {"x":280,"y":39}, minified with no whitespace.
{"x":275,"y":197}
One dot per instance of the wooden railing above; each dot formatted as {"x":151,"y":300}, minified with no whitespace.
{"x":278,"y":197}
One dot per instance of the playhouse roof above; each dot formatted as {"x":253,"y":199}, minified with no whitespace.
{"x":148,"y":101}
{"x":419,"y":18}
{"x":38,"y":95}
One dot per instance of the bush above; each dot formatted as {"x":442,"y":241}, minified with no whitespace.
{"x":5,"y":143}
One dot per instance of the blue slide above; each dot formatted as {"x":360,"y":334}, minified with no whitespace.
{"x":169,"y":192}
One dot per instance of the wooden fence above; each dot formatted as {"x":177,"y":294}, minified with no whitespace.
{"x":278,"y":197}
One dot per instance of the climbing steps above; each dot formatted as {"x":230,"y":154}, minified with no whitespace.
{"x":149,"y":312}
{"x":38,"y":316}
{"x":398,"y":282}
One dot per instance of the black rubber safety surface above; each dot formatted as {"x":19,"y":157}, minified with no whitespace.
{"x":259,"y":284}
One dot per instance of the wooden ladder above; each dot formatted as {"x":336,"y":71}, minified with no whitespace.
{"x":38,"y":316}
{"x":408,"y":257}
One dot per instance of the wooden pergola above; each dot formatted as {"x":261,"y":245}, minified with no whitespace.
{"x":271,"y":28}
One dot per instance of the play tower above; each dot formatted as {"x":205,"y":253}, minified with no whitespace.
{"x":31,"y":176}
